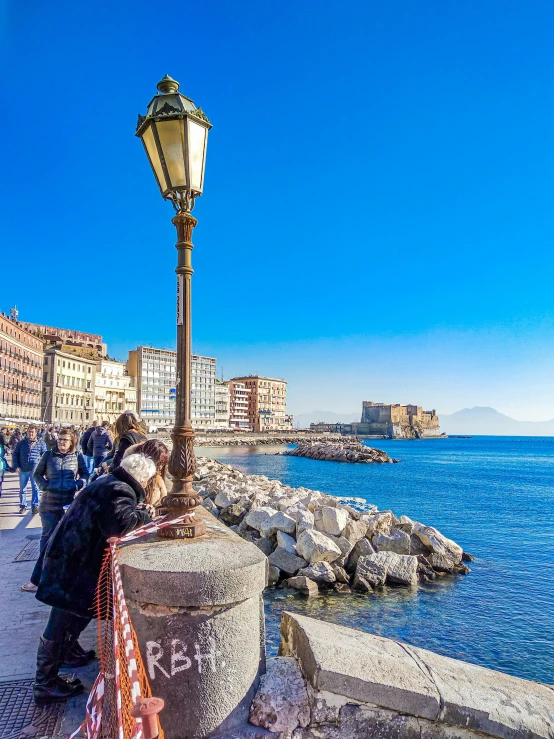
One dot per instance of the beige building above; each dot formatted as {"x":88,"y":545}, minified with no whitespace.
{"x":239,"y":396}
{"x":21,"y":359}
{"x":267,"y":403}
{"x":114,"y":391}
{"x":68,"y":386}
{"x":398,"y":421}
{"x":222,"y":405}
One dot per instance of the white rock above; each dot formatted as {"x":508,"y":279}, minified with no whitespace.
{"x":257,"y":517}
{"x":401,"y":568}
{"x":225,"y":498}
{"x":378,"y":523}
{"x":398,"y":542}
{"x":355,"y":530}
{"x":286,"y":542}
{"x":319,"y":572}
{"x":437,"y":543}
{"x":331,"y":520}
{"x":278,"y":522}
{"x":281,"y":702}
{"x":304,"y":520}
{"x":314,"y":546}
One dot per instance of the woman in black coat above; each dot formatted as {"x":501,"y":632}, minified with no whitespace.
{"x":66,"y":574}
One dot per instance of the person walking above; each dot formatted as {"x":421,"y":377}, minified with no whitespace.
{"x":3,"y":462}
{"x":25,"y":458}
{"x":89,"y":459}
{"x":99,"y":444}
{"x":67,"y":572}
{"x":15,"y":438}
{"x":4,"y":437}
{"x":50,"y":438}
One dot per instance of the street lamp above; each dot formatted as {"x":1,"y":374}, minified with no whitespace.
{"x":175,"y":134}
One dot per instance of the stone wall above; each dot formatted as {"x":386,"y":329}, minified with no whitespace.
{"x":398,"y":421}
{"x":332,"y":682}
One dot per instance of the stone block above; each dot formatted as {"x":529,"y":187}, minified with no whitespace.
{"x":273,"y":574}
{"x":281,"y":702}
{"x":303,"y":584}
{"x":330,"y":520}
{"x":304,"y":520}
{"x":314,"y":546}
{"x":258,"y":516}
{"x":233,"y":514}
{"x":398,"y":542}
{"x":363,"y":548}
{"x":355,"y":530}
{"x":278,"y":522}
{"x":375,"y":573}
{"x":265,"y":545}
{"x":401,"y":568}
{"x":438,"y":543}
{"x":320,"y":572}
{"x":286,"y":542}
{"x":286,"y":561}
{"x":360,"y":666}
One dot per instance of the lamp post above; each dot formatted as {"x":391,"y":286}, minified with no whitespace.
{"x":175,"y":134}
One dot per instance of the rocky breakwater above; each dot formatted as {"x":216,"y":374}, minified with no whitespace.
{"x":260,"y":439}
{"x":315,"y":541}
{"x":339,"y":451}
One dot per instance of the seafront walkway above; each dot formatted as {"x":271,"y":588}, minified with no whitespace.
{"x":22,"y":621}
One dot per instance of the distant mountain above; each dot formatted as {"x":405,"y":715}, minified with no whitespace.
{"x":305,"y":419}
{"x":489,"y":422}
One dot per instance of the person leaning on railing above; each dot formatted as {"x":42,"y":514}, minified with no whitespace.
{"x":67,"y":572}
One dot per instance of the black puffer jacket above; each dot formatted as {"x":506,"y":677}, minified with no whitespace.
{"x":59,"y":476}
{"x":67,"y":571}
{"x":127,"y":440}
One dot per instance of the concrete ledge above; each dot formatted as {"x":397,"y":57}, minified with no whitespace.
{"x":454,"y":695}
{"x":217,"y":569}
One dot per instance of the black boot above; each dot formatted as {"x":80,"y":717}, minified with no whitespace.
{"x":48,"y":688}
{"x":75,"y":655}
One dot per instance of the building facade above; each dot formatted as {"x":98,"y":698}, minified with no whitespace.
{"x":70,"y":337}
{"x":68,"y":386}
{"x":222,"y":405}
{"x":267,"y":403}
{"x":21,"y":363}
{"x":239,"y":396}
{"x":114,"y":391}
{"x":155,"y":372}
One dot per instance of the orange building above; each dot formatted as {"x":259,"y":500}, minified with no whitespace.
{"x":21,"y":360}
{"x":267,"y":403}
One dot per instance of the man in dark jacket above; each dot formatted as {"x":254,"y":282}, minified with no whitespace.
{"x":99,"y":443}
{"x":84,"y":443}
{"x":67,"y":572}
{"x":25,"y":458}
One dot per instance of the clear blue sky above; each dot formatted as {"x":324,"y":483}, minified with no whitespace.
{"x":377,"y":221}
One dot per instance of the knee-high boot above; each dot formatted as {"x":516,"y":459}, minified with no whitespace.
{"x":48,"y":686}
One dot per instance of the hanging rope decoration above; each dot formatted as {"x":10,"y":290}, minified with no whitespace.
{"x":120,"y":704}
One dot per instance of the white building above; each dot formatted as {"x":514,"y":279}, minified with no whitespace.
{"x":114,"y":391}
{"x":155,"y":372}
{"x":239,"y":400}
{"x":222,"y":405}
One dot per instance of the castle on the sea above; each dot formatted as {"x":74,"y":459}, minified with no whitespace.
{"x":393,"y":421}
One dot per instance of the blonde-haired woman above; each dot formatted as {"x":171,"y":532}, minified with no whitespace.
{"x":128,"y":432}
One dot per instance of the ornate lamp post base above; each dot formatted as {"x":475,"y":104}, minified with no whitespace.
{"x":182,"y":498}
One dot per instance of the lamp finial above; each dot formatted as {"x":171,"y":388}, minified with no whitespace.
{"x":168,"y":84}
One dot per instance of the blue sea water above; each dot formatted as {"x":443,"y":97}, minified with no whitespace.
{"x":495,"y":497}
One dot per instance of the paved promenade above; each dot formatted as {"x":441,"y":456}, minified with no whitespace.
{"x":22,"y":618}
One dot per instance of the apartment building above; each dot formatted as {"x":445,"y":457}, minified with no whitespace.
{"x":68,"y":336}
{"x":68,"y":385}
{"x":21,"y":360}
{"x":155,"y":371}
{"x":222,"y":405}
{"x":239,"y":396}
{"x":267,"y":403}
{"x":114,"y":391}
